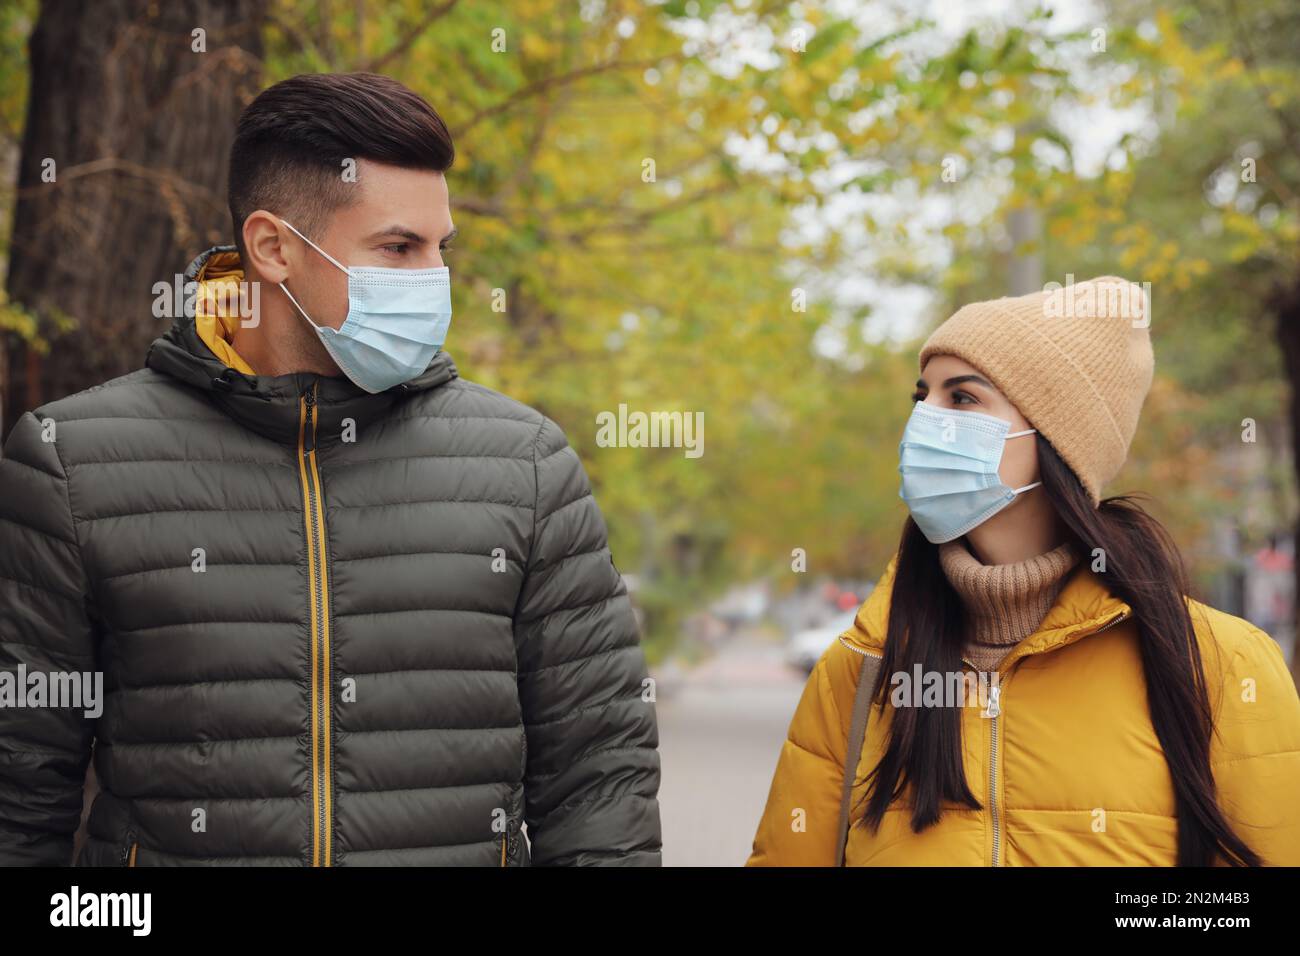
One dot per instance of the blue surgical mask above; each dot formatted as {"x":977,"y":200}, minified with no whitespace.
{"x":949,"y":462}
{"x":397,"y":321}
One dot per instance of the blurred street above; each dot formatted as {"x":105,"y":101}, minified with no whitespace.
{"x":721,"y":726}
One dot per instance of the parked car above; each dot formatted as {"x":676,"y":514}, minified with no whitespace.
{"x":803,"y":649}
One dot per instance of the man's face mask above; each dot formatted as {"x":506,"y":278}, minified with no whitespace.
{"x":397,"y":321}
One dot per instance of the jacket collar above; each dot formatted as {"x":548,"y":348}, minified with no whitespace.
{"x":269,"y":405}
{"x":1084,"y":606}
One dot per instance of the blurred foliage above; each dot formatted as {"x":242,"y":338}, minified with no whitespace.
{"x":681,"y":293}
{"x":17,"y":17}
{"x":678,"y":294}
{"x":1206,"y":210}
{"x":16,"y":20}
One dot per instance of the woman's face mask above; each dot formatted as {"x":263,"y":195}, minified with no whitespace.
{"x":397,"y":321}
{"x":949,"y":463}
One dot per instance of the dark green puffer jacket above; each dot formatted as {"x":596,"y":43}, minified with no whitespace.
{"x":334,"y":628}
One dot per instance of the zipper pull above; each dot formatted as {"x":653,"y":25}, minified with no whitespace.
{"x":995,"y":703}
{"x":309,"y":426}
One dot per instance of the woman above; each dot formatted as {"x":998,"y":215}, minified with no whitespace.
{"x":1101,"y":717}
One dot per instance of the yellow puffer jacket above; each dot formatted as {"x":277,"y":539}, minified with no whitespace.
{"x":1070,"y":772}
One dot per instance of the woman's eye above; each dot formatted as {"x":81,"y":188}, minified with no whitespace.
{"x":962,"y":398}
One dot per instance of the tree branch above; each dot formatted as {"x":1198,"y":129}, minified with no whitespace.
{"x":375,"y":64}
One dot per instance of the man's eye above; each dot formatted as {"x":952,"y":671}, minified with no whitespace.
{"x":446,"y":248}
{"x":398,"y":248}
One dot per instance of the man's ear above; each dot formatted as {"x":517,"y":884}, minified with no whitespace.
{"x":269,"y":251}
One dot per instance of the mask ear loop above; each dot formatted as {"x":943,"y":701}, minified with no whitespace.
{"x":345,"y":269}
{"x":323,"y":253}
{"x":297,"y":306}
{"x":1027,"y":431}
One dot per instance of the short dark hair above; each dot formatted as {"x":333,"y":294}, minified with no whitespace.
{"x":292,"y":139}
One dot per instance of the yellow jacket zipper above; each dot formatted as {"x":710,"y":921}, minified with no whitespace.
{"x":318,"y":582}
{"x":509,"y":841}
{"x":994,"y":711}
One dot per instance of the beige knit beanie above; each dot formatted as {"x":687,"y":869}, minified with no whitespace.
{"x":1075,"y":360}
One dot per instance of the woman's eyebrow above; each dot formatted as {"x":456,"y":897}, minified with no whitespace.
{"x":959,"y":379}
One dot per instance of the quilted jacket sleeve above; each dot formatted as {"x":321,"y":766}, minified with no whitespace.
{"x":1256,"y":748}
{"x":798,"y":826}
{"x":592,"y":778}
{"x":44,"y":626}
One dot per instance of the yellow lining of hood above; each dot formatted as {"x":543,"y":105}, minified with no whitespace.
{"x":217,"y":330}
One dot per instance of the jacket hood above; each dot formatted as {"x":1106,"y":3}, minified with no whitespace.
{"x":1083,"y":606}
{"x":265,"y":404}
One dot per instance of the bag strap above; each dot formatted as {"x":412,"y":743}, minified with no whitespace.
{"x":868,"y":677}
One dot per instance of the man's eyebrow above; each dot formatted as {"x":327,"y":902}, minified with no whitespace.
{"x":408,"y":234}
{"x":451,"y":235}
{"x":957,"y":380}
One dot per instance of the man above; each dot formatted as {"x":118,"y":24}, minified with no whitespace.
{"x":350,"y":609}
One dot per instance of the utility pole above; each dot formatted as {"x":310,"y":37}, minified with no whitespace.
{"x":1025,"y":226}
{"x":1025,"y":272}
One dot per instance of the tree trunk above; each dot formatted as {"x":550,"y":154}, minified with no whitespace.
{"x":138,"y":124}
{"x":1286,"y":309}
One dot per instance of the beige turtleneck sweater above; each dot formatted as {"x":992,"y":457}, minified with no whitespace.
{"x":1004,"y":603}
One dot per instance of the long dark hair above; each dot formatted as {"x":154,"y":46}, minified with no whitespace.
{"x":1144,"y":569}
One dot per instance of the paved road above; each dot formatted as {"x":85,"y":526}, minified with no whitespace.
{"x":720,"y":732}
